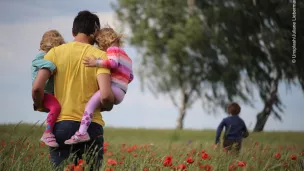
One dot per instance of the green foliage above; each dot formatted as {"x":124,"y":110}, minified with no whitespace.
{"x":179,"y":53}
{"x":224,"y":46}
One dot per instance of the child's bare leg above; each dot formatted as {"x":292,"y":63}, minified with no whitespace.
{"x":82,"y":135}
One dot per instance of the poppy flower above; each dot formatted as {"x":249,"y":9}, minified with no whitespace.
{"x":111,"y":162}
{"x":241,"y":164}
{"x":277,"y":155}
{"x":205,"y":156}
{"x":181,"y":167}
{"x":168,"y":161}
{"x":190,"y":160}
{"x":293,"y":157}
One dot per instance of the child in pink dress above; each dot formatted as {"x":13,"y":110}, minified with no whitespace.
{"x":120,"y":65}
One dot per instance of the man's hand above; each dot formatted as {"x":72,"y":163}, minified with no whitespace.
{"x":106,"y":94}
{"x":38,"y":86}
{"x":90,"y":61}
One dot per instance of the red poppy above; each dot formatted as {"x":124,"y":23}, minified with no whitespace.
{"x":109,"y":169}
{"x":208,"y":167}
{"x":277,"y":155}
{"x":168,"y":161}
{"x":181,"y":167}
{"x":293,"y":157}
{"x":205,"y":156}
{"x":146,"y":169}
{"x":242,"y":164}
{"x":111,"y":162}
{"x":190,"y":160}
{"x":232,"y":167}
{"x":135,"y":155}
{"x":78,"y":168}
{"x":105,"y":144}
{"x":302,"y":153}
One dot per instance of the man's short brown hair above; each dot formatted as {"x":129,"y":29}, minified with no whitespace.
{"x":234,"y":109}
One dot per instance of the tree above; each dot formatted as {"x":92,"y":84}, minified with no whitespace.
{"x":179,"y":58}
{"x":260,"y":33}
{"x":190,"y":46}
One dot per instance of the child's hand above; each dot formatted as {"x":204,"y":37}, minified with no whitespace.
{"x":90,"y":61}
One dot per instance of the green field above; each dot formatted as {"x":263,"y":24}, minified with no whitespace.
{"x":20,"y":149}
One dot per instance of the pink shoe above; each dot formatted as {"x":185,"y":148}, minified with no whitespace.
{"x":49,"y":139}
{"x":78,"y":138}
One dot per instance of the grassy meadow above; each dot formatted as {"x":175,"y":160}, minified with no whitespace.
{"x":153,"y":150}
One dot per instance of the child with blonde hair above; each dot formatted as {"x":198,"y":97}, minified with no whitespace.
{"x":50,"y":39}
{"x":120,"y":65}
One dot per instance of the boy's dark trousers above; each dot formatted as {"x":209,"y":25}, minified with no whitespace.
{"x":232,"y":145}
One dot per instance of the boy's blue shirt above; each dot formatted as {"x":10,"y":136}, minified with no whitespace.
{"x":39,"y":63}
{"x":235,"y":128}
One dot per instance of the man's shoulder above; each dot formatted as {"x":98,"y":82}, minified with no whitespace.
{"x":95,"y":51}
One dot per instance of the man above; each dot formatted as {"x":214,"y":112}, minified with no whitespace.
{"x":74,"y":85}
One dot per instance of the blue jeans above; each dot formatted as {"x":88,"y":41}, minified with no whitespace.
{"x":63,"y":130}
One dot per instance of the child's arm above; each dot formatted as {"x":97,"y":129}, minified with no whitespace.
{"x":112,"y":62}
{"x":245,"y":131}
{"x":219,"y":131}
{"x":44,"y":64}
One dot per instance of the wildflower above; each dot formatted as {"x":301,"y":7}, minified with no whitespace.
{"x":293,"y":157}
{"x":232,"y":167}
{"x":277,"y":156}
{"x":302,"y":153}
{"x":78,"y":168}
{"x":206,"y":167}
{"x":105,"y":144}
{"x":69,"y":167}
{"x":190,"y":160}
{"x":146,"y":169}
{"x":135,"y":155}
{"x":81,"y":163}
{"x":168,"y":161}
{"x":242,"y":164}
{"x":111,"y":162}
{"x":181,"y":167}
{"x":109,"y":169}
{"x":205,"y":156}
{"x":105,"y":149}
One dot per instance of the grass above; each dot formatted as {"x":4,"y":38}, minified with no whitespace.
{"x":140,"y":149}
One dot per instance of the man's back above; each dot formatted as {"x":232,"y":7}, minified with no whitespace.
{"x":75,"y":83}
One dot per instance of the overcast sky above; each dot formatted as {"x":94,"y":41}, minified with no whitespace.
{"x":22,"y":23}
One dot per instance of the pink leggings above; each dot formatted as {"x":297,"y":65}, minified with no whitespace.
{"x":94,"y":103}
{"x":51,"y":103}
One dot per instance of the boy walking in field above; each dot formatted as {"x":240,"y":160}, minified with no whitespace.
{"x":235,"y":129}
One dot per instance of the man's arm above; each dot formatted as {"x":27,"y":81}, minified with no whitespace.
{"x":38,"y":86}
{"x":219,"y":131}
{"x":106,"y":94}
{"x":42,"y":63}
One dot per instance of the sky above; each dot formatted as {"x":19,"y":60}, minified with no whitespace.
{"x":20,"y":33}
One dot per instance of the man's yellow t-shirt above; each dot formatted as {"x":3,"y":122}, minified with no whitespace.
{"x":74,"y":84}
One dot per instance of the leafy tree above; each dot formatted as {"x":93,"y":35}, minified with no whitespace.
{"x":260,"y":35}
{"x":179,"y":58}
{"x":190,"y":47}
